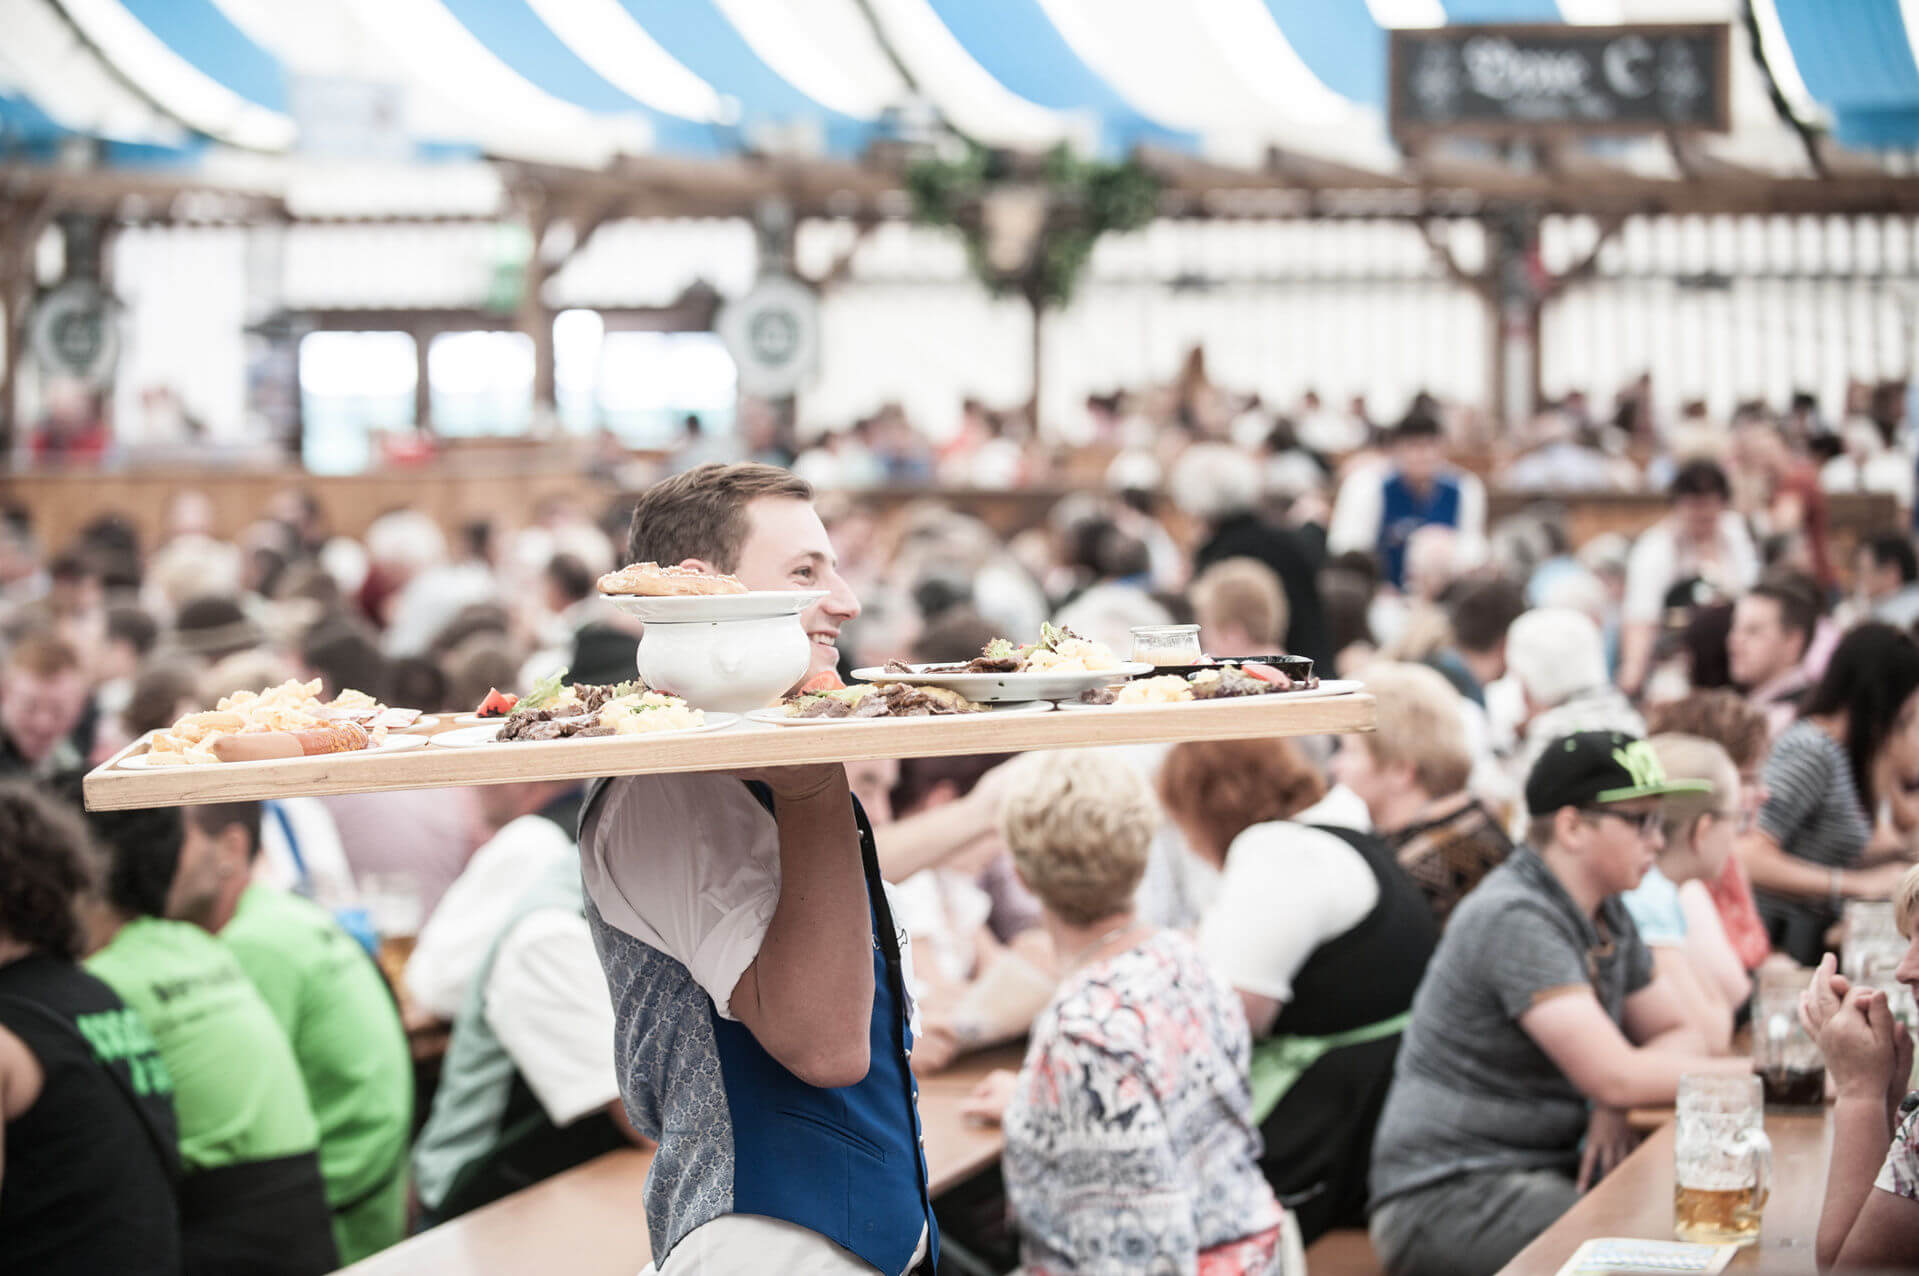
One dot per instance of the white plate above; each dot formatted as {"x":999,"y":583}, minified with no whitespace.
{"x":475,"y":720}
{"x":991,"y":688}
{"x":475,"y":737}
{"x":775,"y":716}
{"x":756,"y":605}
{"x":392,"y":744}
{"x":1327,"y":687}
{"x":425,"y":722}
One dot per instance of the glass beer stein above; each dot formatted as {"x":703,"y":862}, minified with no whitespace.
{"x":1722,"y":1171}
{"x":1784,"y":1054}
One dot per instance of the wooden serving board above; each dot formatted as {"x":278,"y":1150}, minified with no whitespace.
{"x":746,"y":744}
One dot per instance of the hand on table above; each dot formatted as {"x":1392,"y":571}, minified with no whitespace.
{"x":987,"y":1103}
{"x":935,"y":1048}
{"x":1609,"y":1140}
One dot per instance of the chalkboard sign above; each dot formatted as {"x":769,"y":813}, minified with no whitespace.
{"x":1517,"y":80}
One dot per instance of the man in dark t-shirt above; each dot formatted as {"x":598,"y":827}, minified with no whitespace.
{"x":90,"y":1134}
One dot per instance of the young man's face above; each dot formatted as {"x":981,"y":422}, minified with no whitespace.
{"x":1418,"y":460}
{"x":1876,"y":580}
{"x":1759,"y":647}
{"x":1699,"y":516}
{"x":36,"y":712}
{"x":1619,"y":850}
{"x":787,"y":548}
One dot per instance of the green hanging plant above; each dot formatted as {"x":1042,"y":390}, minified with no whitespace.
{"x":1083,"y":200}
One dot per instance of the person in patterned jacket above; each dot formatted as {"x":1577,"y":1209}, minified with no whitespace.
{"x":1871,"y":1215}
{"x":1130,"y":1141}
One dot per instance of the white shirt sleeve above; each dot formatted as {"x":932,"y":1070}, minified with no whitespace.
{"x":547,"y":1001}
{"x":1287,"y":889}
{"x":1649,"y":571}
{"x":688,"y":864}
{"x":1472,"y":548}
{"x":1357,"y":510}
{"x":459,"y":932}
{"x":1742,"y":557}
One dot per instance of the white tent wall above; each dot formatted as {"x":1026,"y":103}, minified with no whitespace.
{"x":1726,"y":309}
{"x":1722,"y":309}
{"x":183,"y":293}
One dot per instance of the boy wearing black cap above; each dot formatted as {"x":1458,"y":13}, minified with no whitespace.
{"x":1538,"y":1023}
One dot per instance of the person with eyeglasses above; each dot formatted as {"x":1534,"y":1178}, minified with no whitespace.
{"x":1673,"y":907}
{"x":1538,"y":1025}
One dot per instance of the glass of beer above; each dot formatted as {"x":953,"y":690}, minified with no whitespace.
{"x":1166,"y":644}
{"x":1785,"y":1056}
{"x":1722,"y":1160}
{"x":1872,"y":948}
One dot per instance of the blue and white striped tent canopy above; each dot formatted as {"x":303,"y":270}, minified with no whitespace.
{"x":583,"y":82}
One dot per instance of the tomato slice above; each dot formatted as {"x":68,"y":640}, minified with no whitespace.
{"x":828,"y":681}
{"x":497,"y":704}
{"x":1265,"y":673}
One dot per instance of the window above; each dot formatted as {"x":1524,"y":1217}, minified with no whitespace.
{"x":648,"y":381}
{"x":353,"y":383}
{"x":480,"y":382}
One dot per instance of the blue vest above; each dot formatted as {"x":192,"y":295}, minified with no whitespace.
{"x":738,"y":1133}
{"x":1402,"y":512}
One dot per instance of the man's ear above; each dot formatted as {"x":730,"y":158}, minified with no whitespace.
{"x":1565,"y":822}
{"x":700,"y":565}
{"x":233,"y":848}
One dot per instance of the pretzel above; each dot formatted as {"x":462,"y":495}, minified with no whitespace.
{"x":650,"y":580}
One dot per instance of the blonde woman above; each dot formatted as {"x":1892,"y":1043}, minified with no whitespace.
{"x":1871,"y":1214}
{"x":1671,"y":906}
{"x":1130,"y":1144}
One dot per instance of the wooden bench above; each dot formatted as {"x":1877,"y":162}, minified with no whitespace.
{"x":1345,"y":1251}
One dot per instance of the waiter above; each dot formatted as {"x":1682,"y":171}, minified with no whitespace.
{"x":762,"y":1018}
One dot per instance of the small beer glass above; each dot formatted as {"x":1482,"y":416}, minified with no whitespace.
{"x":1166,"y":644}
{"x":1722,"y":1171}
{"x":1784,"y":1054}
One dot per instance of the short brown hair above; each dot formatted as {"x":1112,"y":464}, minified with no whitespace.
{"x":1243,"y":592}
{"x":702,"y":513}
{"x":1224,"y":787}
{"x":43,"y":655}
{"x":1724,"y":717}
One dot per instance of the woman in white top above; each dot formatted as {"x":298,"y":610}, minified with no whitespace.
{"x":1324,"y":937}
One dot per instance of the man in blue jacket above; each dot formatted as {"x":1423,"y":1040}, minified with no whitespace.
{"x":759,"y":984}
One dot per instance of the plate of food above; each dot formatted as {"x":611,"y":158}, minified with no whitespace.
{"x":587,"y":712}
{"x":825,"y":700}
{"x":277,"y":724}
{"x":1059,"y":666}
{"x":665,"y":595}
{"x":1211,"y":684}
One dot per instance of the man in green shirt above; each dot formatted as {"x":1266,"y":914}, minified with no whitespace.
{"x":334,"y":1007}
{"x":252,"y":1199}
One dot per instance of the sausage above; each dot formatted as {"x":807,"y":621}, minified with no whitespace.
{"x":260,"y":746}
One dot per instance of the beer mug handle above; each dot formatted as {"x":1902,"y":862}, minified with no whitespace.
{"x":1759,"y":1149}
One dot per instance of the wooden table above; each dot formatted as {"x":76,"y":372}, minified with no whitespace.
{"x":591,"y":1220}
{"x":1635,"y":1201}
{"x":747,"y":744}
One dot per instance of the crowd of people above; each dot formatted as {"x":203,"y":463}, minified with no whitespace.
{"x":1408,"y":980}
